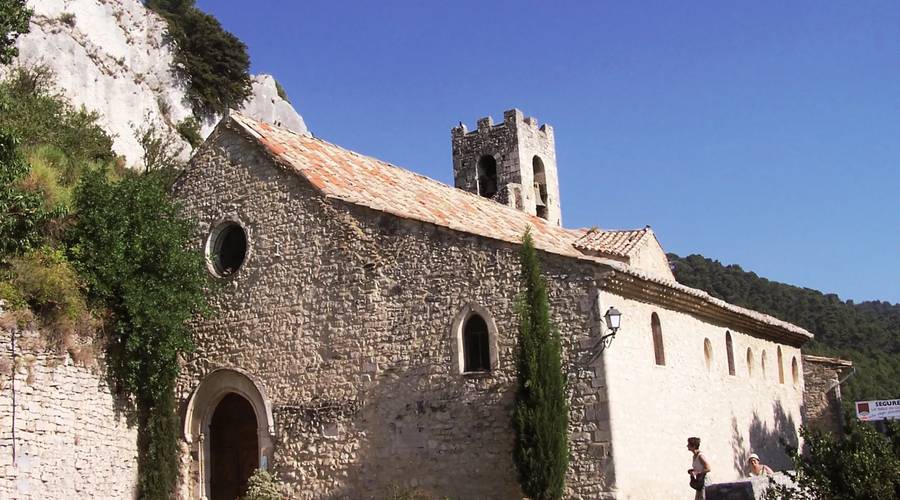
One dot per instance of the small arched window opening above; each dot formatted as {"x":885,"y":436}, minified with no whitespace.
{"x":762,"y":363}
{"x":476,"y":345}
{"x":780,"y":366}
{"x":749,"y":361}
{"x":541,"y":201}
{"x":487,"y":176}
{"x":658,"y":348}
{"x":729,"y":351}
{"x":795,"y":371}
{"x":708,"y":353}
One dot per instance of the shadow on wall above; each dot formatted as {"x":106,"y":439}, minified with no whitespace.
{"x":768,"y":443}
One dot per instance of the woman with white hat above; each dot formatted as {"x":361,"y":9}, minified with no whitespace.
{"x":758,"y":468}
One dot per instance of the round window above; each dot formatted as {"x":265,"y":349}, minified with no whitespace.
{"x":226,"y":249}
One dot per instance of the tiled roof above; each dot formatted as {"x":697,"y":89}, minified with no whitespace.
{"x":366,"y":181}
{"x":616,"y":243}
{"x":362,"y":180}
{"x":838,"y":362}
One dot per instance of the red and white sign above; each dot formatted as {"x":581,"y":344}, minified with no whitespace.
{"x":886,"y":409}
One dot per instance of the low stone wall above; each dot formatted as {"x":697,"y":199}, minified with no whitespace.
{"x":61,"y":433}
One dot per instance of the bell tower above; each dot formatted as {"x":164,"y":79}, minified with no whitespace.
{"x":513,"y":163}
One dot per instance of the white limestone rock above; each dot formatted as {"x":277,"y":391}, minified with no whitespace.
{"x":112,"y":57}
{"x":265,"y":104}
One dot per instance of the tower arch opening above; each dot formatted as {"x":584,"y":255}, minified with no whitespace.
{"x":487,"y":176}
{"x":541,"y":200}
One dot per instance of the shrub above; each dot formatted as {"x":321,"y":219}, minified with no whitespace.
{"x":11,"y":296}
{"x":134,"y":251}
{"x":541,"y":414}
{"x":161,"y":154}
{"x":262,"y":486}
{"x":67,"y":18}
{"x":281,"y":92}
{"x":22,"y":213}
{"x":213,"y":61}
{"x":189,"y":129}
{"x":14,"y":17}
{"x":50,"y":286}
{"x":40,"y":117}
{"x":863,"y":465}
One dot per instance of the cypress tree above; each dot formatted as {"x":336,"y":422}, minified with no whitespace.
{"x":541,"y":415}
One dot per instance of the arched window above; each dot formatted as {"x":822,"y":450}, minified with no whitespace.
{"x":795,"y":371}
{"x":780,"y":367}
{"x":749,"y":362}
{"x":762,"y":363}
{"x":540,"y":187}
{"x":476,"y":345}
{"x":658,"y":349}
{"x":487,"y":176}
{"x":729,"y":351}
{"x":707,"y":353}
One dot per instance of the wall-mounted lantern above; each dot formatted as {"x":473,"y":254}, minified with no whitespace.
{"x":613,"y":320}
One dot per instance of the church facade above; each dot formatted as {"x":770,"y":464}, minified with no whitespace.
{"x":364,"y":328}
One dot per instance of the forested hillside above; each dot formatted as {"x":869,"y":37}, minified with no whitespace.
{"x":867,"y":333}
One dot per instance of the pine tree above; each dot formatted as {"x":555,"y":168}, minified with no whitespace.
{"x":541,"y":415}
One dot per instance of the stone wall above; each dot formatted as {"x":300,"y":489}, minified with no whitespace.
{"x":344,"y":315}
{"x":513,"y":144}
{"x":59,"y":421}
{"x":822,"y":399}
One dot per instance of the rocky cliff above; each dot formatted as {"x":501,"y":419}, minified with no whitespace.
{"x":113,"y":57}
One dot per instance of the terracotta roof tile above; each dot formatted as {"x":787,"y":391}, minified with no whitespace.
{"x":362,"y":180}
{"x":619,"y":243}
{"x":366,"y":181}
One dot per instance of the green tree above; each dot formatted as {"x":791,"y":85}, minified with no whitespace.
{"x":134,"y":251}
{"x":864,"y":465}
{"x":541,"y":414}
{"x":14,"y":17}
{"x":213,"y":61}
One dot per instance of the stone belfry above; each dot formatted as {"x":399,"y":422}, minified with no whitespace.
{"x":513,"y":163}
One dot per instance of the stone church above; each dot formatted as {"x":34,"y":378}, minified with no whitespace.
{"x":363,"y":329}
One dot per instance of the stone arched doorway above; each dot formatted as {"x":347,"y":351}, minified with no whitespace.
{"x":228,"y":427}
{"x":233,"y":447}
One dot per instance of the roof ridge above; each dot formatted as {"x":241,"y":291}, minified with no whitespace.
{"x":479,"y":198}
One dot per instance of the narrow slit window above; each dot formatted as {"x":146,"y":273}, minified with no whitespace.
{"x":708,"y":353}
{"x":476,"y":345}
{"x":795,"y":371}
{"x":780,"y":366}
{"x":729,"y":351}
{"x":658,"y":349}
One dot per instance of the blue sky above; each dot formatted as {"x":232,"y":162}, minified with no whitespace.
{"x":765,"y":134}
